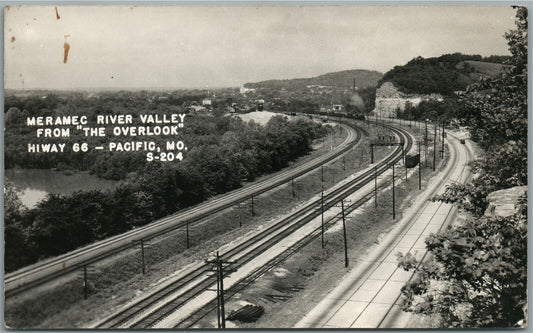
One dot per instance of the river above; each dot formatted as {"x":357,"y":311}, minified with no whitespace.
{"x":37,"y":183}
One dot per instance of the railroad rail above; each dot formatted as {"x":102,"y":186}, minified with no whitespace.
{"x":48,"y":270}
{"x":153,"y":308}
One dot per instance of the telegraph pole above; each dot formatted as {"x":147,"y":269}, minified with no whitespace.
{"x":443,"y":136}
{"x":426,"y":153}
{"x":434,"y":146}
{"x":85,"y":287}
{"x":344,"y":232}
{"x":293,"y":190}
{"x":218,"y":297}
{"x":404,"y":162}
{"x":426,"y":135}
{"x":142,"y":246}
{"x":426,"y":141}
{"x":393,"y":195}
{"x":343,"y":163}
{"x":376,"y":186}
{"x":220,"y":268}
{"x":322,"y":211}
{"x":419,"y":172}
{"x":84,"y":276}
{"x":142,"y":257}
{"x":253,"y":212}
{"x":221,"y":279}
{"x":187,"y":233}
{"x":371,"y":153}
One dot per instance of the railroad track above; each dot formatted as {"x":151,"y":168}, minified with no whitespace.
{"x":196,"y":316}
{"x":152,"y":309}
{"x":48,"y":270}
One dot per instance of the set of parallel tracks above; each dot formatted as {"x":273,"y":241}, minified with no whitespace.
{"x":247,"y":251}
{"x":64,"y":264}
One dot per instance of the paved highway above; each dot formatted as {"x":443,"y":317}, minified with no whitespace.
{"x":369,"y":296}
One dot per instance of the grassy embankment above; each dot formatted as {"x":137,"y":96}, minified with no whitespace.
{"x":119,"y":279}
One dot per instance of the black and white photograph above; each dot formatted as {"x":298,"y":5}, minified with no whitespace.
{"x":265,"y":166}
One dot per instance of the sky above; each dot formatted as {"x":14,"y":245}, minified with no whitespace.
{"x":175,"y":47}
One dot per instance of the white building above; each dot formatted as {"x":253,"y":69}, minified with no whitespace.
{"x":244,"y":90}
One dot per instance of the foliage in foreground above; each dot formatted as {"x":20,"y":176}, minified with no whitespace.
{"x":477,"y":274}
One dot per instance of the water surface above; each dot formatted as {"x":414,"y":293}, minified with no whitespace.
{"x":36,"y":183}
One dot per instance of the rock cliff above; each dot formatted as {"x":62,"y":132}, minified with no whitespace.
{"x":502,"y":203}
{"x":389,"y":99}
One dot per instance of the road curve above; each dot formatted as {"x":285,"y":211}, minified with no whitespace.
{"x":47,"y":270}
{"x":368,"y":296}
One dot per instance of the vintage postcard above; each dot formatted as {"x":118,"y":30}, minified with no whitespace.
{"x":265,"y":166}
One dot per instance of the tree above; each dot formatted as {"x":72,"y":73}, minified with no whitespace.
{"x":18,"y":250}
{"x":13,"y":116}
{"x":13,"y":206}
{"x":477,"y":276}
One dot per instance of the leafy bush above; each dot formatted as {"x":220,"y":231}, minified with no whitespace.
{"x":477,"y":276}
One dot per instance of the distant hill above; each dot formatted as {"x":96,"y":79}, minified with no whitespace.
{"x":445,"y":74}
{"x":344,"y":79}
{"x":487,"y":68}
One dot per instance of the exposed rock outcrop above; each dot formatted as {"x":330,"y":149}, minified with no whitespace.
{"x":502,"y":203}
{"x":389,"y":99}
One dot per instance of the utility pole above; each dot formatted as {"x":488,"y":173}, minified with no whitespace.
{"x":419,"y":172}
{"x":426,"y":135}
{"x":376,"y":186}
{"x":322,"y":214}
{"x":404,"y":161}
{"x":434,"y":145}
{"x":142,"y":257}
{"x":293,"y":190}
{"x":241,"y":209}
{"x":221,"y":293}
{"x":371,"y":153}
{"x":85,"y":291}
{"x":393,"y":196}
{"x":426,"y":143}
{"x":344,"y":232}
{"x":426,"y":153}
{"x":218,"y":297}
{"x":220,"y":267}
{"x":253,"y":212}
{"x":84,"y":276}
{"x":343,"y":163}
{"x":187,"y":233}
{"x":142,"y":246}
{"x":443,"y":136}
{"x":322,"y":174}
